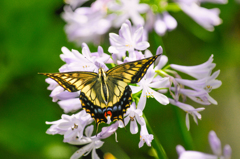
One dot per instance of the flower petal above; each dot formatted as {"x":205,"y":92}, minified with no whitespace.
{"x":215,"y":143}
{"x":133,"y":127}
{"x":142,"y":100}
{"x":160,"y":97}
{"x":196,"y":155}
{"x":142,"y":45}
{"x":89,"y":130}
{"x":82,"y":151}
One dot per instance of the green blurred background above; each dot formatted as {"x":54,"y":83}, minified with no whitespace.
{"x":31,"y":37}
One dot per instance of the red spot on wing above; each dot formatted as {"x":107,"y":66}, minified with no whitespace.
{"x":108,"y":113}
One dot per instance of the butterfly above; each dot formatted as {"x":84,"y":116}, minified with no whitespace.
{"x":105,"y":95}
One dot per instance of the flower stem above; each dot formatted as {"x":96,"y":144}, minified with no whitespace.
{"x":155,"y":142}
{"x":187,"y":138}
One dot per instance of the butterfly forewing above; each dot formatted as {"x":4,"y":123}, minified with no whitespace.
{"x":131,"y":72}
{"x":72,"y":81}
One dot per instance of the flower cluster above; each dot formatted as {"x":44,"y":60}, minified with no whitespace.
{"x":215,"y":144}
{"x":158,"y":80}
{"x":87,"y":24}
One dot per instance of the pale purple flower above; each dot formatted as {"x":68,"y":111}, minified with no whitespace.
{"x":70,"y":105}
{"x":58,"y":93}
{"x":70,"y":126}
{"x":164,"y":22}
{"x":189,"y":110}
{"x":55,"y":91}
{"x":108,"y":131}
{"x":52,"y":84}
{"x":146,"y":84}
{"x":145,"y":137}
{"x":134,"y":115}
{"x":75,"y":3}
{"x":202,"y":88}
{"x":92,"y":145}
{"x":86,"y":24}
{"x":129,"y":9}
{"x":214,"y":1}
{"x":134,"y":56}
{"x":215,"y":144}
{"x":86,"y":61}
{"x":127,"y":40}
{"x":162,"y":62}
{"x":189,"y":2}
{"x":207,"y":18}
{"x":93,"y":142}
{"x":198,"y":71}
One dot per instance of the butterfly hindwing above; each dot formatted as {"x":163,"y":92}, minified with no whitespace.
{"x":120,"y":97}
{"x":131,"y":72}
{"x":72,"y":81}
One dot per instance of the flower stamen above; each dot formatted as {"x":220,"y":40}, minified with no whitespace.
{"x":208,"y":88}
{"x":75,"y":126}
{"x":132,"y":118}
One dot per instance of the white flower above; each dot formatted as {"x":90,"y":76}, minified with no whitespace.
{"x":70,"y":105}
{"x":198,"y":71}
{"x":146,"y":84}
{"x":202,"y":88}
{"x":134,"y":56}
{"x":75,"y":3}
{"x":92,"y":145}
{"x":164,"y":22}
{"x":70,"y":126}
{"x":207,"y":18}
{"x":58,"y":92}
{"x":130,"y":9}
{"x":202,"y":1}
{"x":108,"y":131}
{"x":189,"y":110}
{"x":145,"y":137}
{"x":85,"y":24}
{"x":214,"y":1}
{"x":86,"y":61}
{"x":216,"y":148}
{"x":93,"y":142}
{"x":127,"y":40}
{"x":204,"y":84}
{"x":133,"y":115}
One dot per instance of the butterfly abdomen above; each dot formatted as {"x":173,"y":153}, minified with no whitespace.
{"x":104,"y":89}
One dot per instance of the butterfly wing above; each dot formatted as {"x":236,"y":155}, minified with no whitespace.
{"x":73,"y":81}
{"x":90,"y":96}
{"x":131,"y":72}
{"x":120,"y":94}
{"x":120,"y":97}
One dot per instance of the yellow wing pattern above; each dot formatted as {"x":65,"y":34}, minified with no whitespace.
{"x":73,"y":81}
{"x":131,"y":72}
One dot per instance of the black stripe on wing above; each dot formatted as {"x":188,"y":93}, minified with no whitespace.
{"x":132,"y":72}
{"x":72,"y":81}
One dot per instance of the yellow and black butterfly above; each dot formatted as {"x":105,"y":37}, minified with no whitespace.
{"x":106,"y":94}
